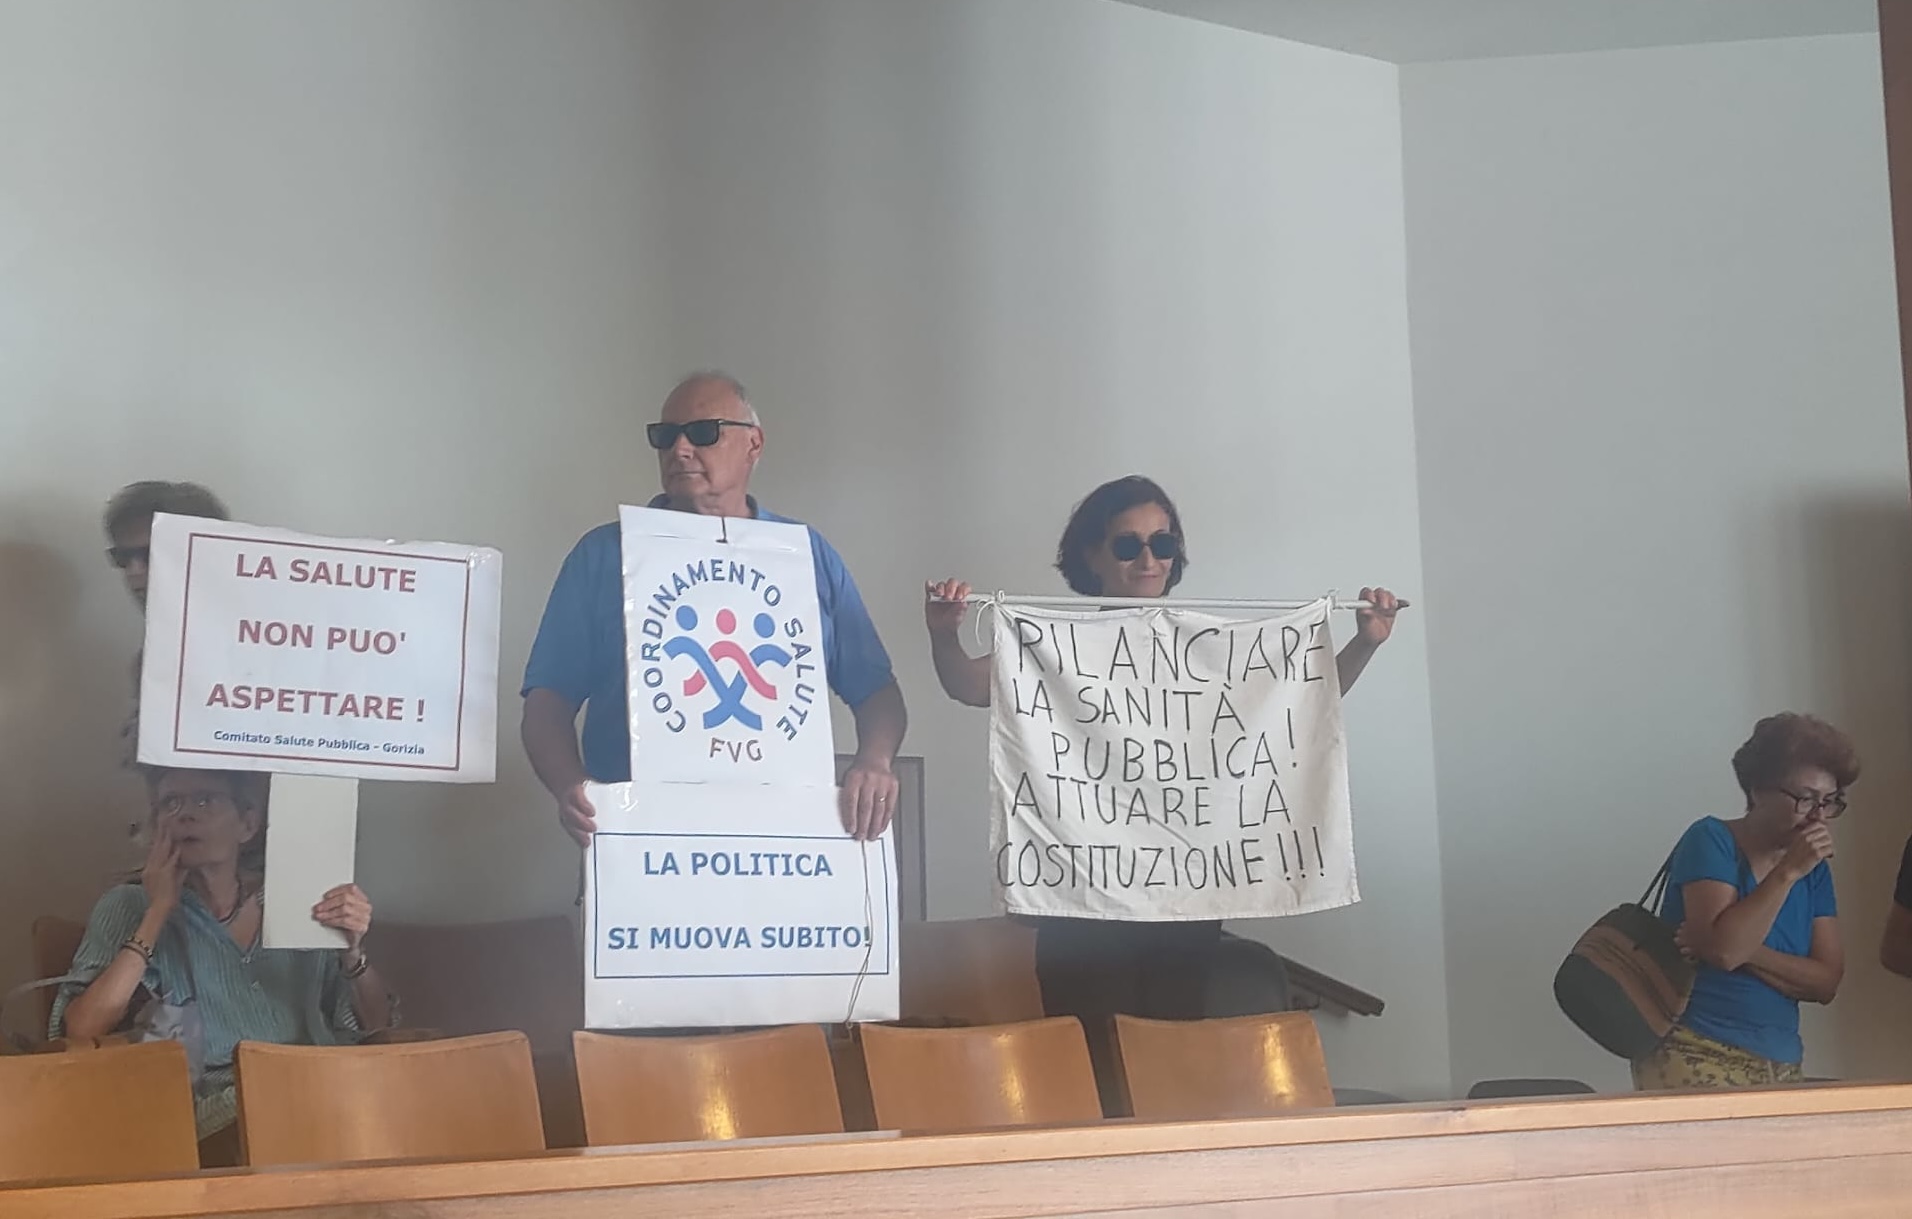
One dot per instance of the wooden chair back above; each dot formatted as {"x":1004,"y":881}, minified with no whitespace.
{"x":460,"y":1098}
{"x":1031,"y":1073}
{"x":449,"y":977}
{"x":124,"y":1111}
{"x":1243,"y":1066}
{"x":688,"y":1089}
{"x":55,"y":940}
{"x":969,"y":971}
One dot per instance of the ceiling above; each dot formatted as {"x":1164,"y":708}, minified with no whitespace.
{"x":1415,"y":31}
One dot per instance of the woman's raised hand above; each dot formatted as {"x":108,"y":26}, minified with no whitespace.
{"x":162,"y":876}
{"x":944,"y":605}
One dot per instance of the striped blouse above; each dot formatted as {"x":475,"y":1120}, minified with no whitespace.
{"x":287,"y":996}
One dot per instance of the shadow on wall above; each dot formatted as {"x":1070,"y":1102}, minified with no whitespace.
{"x":64,"y":804}
{"x":1860,"y":582}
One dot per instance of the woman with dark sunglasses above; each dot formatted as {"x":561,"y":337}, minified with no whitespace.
{"x":1753,"y":901}
{"x":1124,"y":540}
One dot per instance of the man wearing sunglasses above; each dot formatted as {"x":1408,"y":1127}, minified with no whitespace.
{"x":128,"y":521}
{"x":708,"y":442}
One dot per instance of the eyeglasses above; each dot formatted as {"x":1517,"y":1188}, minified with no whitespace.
{"x":1812,"y":802}
{"x":198,"y":802}
{"x":702,"y":432}
{"x":123,"y":557}
{"x":1128,"y":547}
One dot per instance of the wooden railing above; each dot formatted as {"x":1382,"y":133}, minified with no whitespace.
{"x":1844,"y":1150}
{"x":1312,"y":989}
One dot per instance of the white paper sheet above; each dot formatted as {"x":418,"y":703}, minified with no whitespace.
{"x":311,"y":847}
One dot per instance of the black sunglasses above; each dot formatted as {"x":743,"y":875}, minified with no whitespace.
{"x":123,"y":557}
{"x":1127,"y":547}
{"x":702,"y":432}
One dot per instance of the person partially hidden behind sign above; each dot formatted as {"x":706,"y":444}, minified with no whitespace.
{"x":128,"y":521}
{"x":708,"y":442}
{"x":1753,"y":901}
{"x":1895,"y":946}
{"x":176,"y":955}
{"x":1123,"y":540}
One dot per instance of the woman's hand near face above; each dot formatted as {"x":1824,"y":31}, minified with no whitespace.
{"x":944,"y":605}
{"x":162,"y":876}
{"x":1811,"y":845}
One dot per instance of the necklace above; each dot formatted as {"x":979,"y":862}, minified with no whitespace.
{"x":237,"y":906}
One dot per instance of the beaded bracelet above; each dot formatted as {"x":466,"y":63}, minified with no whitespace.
{"x":140,"y":946}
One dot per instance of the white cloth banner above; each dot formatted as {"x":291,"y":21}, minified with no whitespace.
{"x":279,"y":651}
{"x":1162,"y":764}
{"x":721,"y":888}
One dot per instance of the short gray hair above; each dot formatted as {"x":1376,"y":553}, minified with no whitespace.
{"x":144,"y":500}
{"x":724,"y":379}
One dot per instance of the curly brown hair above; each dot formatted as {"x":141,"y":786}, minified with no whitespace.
{"x":1787,"y":741}
{"x":142,"y":501}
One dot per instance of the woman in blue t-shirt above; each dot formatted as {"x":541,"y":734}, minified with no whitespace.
{"x":1753,"y":901}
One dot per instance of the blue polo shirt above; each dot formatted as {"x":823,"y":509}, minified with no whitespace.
{"x":579,"y":651}
{"x":1737,"y":1008}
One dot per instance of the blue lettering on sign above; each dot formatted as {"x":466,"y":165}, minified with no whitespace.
{"x":700,"y":937}
{"x":814,"y":937}
{"x":667,"y":866}
{"x":768,"y":936}
{"x":759,"y":863}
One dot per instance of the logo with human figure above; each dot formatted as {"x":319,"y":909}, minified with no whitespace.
{"x":720,"y":651}
{"x":746,"y":674}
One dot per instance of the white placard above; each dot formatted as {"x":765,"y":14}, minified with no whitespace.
{"x":724,"y":647}
{"x":311,"y":848}
{"x":721,"y":888}
{"x":1161,"y":764}
{"x":278,"y":651}
{"x":717,"y":906}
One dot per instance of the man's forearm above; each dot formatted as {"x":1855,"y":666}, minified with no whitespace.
{"x":881,"y":721}
{"x":549,"y":731}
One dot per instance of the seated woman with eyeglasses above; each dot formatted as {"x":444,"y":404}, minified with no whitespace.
{"x":1753,"y":901}
{"x":1123,"y":540}
{"x":176,"y":956}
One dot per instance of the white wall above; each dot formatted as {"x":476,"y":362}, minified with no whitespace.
{"x":365,"y":269}
{"x":1663,"y":492}
{"x":424,"y":270}
{"x":976,"y":258}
